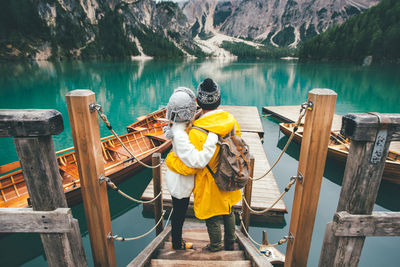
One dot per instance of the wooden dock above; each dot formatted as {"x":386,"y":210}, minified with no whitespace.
{"x":291,"y":114}
{"x":265,"y":191}
{"x":160,"y":253}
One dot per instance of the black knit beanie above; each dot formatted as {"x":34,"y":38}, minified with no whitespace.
{"x":208,"y":95}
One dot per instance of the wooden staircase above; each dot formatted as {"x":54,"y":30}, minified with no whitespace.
{"x":166,"y":256}
{"x":160,"y":253}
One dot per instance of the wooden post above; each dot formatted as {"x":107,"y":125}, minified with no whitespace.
{"x":86,"y":137}
{"x":247,"y":194}
{"x":158,"y":204}
{"x":32,"y":130}
{"x":314,"y":148}
{"x":361,"y":180}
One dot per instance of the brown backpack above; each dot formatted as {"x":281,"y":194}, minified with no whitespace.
{"x":233,"y":170}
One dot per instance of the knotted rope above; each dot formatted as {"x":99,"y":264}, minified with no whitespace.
{"x":119,"y":238}
{"x":280,"y":242}
{"x":287,"y":188}
{"x":112,"y":186}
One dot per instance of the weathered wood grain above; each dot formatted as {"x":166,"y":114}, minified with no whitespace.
{"x":34,"y":145}
{"x":25,"y":220}
{"x":194,"y":263}
{"x":327,"y":253}
{"x":363,"y":126}
{"x":291,"y":113}
{"x":251,"y":251}
{"x":376,"y":224}
{"x":86,"y":137}
{"x":314,"y":148}
{"x":144,"y":257}
{"x":40,"y":168}
{"x":30,"y":122}
{"x":197,"y":255}
{"x":76,"y":244}
{"x":358,"y":194}
{"x":247,"y":117}
{"x":158,"y":203}
{"x":247,"y":195}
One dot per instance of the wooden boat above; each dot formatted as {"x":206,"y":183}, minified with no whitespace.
{"x":154,"y":119}
{"x":338,"y":148}
{"x":142,"y":144}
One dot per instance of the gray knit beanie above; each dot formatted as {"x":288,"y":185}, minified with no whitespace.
{"x":181,"y":105}
{"x":208,"y":94}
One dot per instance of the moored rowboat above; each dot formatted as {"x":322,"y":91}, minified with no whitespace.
{"x":338,"y":148}
{"x":142,"y":144}
{"x":154,"y":119}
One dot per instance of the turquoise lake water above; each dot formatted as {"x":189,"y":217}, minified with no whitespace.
{"x":127,"y":90}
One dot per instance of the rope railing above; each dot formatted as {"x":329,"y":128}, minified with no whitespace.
{"x":99,"y":109}
{"x":280,"y":242}
{"x":287,"y":188}
{"x":112,"y":186}
{"x":120,"y":238}
{"x":303,"y":109}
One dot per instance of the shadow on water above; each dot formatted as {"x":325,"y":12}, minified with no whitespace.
{"x":334,"y":171}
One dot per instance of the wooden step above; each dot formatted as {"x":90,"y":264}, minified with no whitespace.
{"x":198,"y":254}
{"x":202,"y":263}
{"x":196,"y":244}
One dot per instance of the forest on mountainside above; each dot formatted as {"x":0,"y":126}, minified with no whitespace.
{"x":242,"y":50}
{"x":376,"y":33}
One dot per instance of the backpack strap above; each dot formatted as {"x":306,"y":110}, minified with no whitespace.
{"x":209,"y":169}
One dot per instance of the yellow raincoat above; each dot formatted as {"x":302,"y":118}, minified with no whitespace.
{"x":209,"y":201}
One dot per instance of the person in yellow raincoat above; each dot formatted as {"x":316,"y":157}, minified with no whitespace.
{"x":210,"y":203}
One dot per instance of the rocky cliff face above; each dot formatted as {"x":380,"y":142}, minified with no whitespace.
{"x":278,"y":22}
{"x":94,"y":28}
{"x":43,"y":29}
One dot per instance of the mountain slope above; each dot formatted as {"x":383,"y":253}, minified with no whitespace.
{"x":374,"y":33}
{"x":91,"y":28}
{"x":277,"y":22}
{"x":59,"y":29}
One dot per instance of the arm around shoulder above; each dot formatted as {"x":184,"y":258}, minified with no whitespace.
{"x":176,"y":165}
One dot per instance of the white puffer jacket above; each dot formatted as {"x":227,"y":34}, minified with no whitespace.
{"x":181,"y":186}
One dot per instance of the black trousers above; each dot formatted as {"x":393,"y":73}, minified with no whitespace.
{"x":178,"y":217}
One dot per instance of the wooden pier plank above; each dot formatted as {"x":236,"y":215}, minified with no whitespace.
{"x":248,"y":118}
{"x":204,"y":263}
{"x":291,"y":113}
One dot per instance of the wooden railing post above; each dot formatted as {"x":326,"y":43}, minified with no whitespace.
{"x":86,"y":137}
{"x":32,"y":131}
{"x":314,"y":148}
{"x":247,"y":194}
{"x":158,"y":204}
{"x":370,"y":136}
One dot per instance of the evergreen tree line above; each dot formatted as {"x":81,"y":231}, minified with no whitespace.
{"x":21,"y":29}
{"x":376,"y":33}
{"x":242,"y":50}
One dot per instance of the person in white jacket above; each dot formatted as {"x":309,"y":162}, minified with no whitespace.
{"x":181,"y":109}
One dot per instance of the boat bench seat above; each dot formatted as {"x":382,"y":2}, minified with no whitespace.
{"x":120,"y":150}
